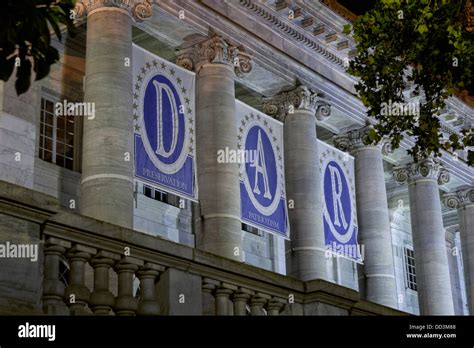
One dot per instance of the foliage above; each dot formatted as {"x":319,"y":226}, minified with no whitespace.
{"x":25,"y":39}
{"x":422,"y":46}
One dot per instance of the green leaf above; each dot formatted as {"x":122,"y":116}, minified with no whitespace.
{"x":422,"y":29}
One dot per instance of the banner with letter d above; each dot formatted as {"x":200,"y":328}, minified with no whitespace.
{"x":163,"y":114}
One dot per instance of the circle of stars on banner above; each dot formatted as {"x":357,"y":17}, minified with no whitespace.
{"x":155,"y":67}
{"x":331,"y":154}
{"x":251,"y":119}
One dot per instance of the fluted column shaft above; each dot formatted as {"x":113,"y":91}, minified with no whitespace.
{"x":429,"y":242}
{"x":463,"y":200}
{"x":107,"y":154}
{"x":214,"y":61}
{"x":373,"y":218}
{"x":298,"y":110}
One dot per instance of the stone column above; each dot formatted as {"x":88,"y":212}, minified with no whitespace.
{"x":298,"y":109}
{"x":274,"y":306}
{"x":126,"y":303}
{"x":240,"y":299}
{"x":222,"y":300}
{"x":429,"y":243}
{"x":463,"y":201}
{"x":216,"y":63}
{"x":107,"y":154}
{"x":378,"y":272}
{"x":147,"y":275}
{"x":256,"y":305}
{"x":102,"y":300}
{"x":208,"y":300}
{"x":53,"y":288}
{"x":77,"y":294}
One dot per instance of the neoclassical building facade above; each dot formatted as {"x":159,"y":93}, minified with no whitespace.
{"x":111,"y":240}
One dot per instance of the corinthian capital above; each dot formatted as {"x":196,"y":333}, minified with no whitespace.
{"x":353,"y":140}
{"x":459,"y":199}
{"x":428,"y":168}
{"x":299,"y":99}
{"x":215,"y":50}
{"x":138,"y":9}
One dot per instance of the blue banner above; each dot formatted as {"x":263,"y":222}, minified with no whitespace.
{"x":262,"y":176}
{"x":163,"y":113}
{"x":339,"y":205}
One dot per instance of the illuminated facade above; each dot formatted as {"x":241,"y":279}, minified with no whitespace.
{"x":85,"y":179}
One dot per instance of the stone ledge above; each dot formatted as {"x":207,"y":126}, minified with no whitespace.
{"x":22,"y":203}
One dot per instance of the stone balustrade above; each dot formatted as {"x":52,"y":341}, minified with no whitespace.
{"x":117,"y":271}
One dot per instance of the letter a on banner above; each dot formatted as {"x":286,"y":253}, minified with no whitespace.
{"x":262,"y":176}
{"x":163,"y":114}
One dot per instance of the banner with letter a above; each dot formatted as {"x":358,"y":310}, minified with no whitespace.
{"x":262,"y":174}
{"x":163,"y":121}
{"x":339,"y":204}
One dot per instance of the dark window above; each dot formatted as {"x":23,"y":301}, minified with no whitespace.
{"x":161,"y":196}
{"x":56,"y":136}
{"x":250,"y":229}
{"x":410,"y":269}
{"x":147,"y":191}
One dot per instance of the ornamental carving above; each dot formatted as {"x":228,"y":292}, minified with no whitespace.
{"x":299,"y":99}
{"x":215,"y":50}
{"x":140,"y":10}
{"x":458,"y":199}
{"x":353,"y":140}
{"x":429,"y":168}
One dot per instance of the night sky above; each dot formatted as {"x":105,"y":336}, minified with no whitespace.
{"x":358,"y":7}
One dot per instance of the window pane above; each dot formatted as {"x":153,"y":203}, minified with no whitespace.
{"x":69,"y":164}
{"x":61,"y":122}
{"x":69,"y":151}
{"x":60,"y":148}
{"x":69,"y":139}
{"x":60,"y":161}
{"x":147,"y":191}
{"x":49,"y":106}
{"x":70,"y":125}
{"x":60,"y":135}
{"x":49,"y":119}
{"x":48,"y":131}
{"x":48,"y":156}
{"x":48,"y":144}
